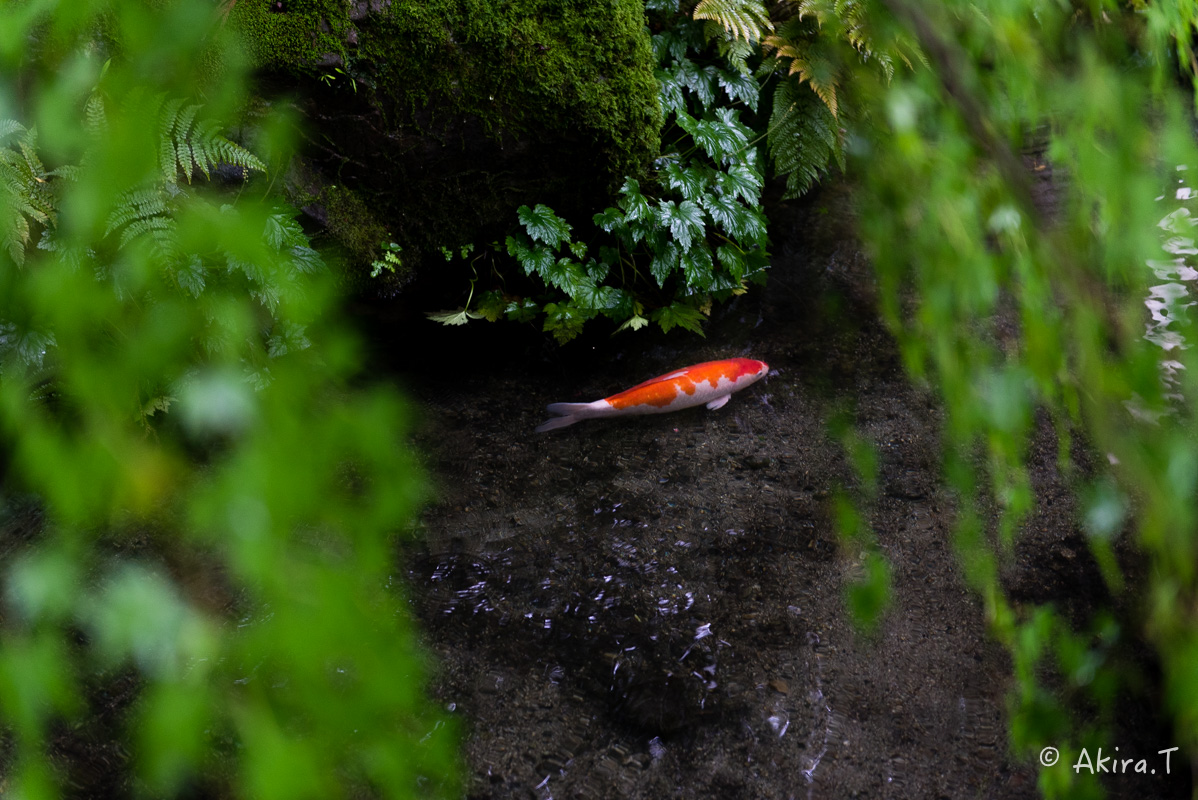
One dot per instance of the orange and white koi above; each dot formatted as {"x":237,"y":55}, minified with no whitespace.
{"x":710,"y":383}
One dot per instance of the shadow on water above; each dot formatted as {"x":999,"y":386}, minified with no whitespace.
{"x":653,"y":607}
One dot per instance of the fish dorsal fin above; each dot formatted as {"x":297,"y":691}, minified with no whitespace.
{"x":669,"y":376}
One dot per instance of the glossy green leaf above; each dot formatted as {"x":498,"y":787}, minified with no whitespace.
{"x":636,"y":206}
{"x":739,"y":87}
{"x":679,"y":315}
{"x":665,"y":261}
{"x":543,"y":225}
{"x":685,"y":221}
{"x":697,"y":264}
{"x":691,"y":181}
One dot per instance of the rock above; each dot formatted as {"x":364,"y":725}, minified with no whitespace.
{"x":430,"y":121}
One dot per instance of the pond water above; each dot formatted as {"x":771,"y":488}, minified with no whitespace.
{"x":653,"y":606}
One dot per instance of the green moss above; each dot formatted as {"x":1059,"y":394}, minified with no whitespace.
{"x":348,"y":220}
{"x":540,"y":69}
{"x":444,"y":116}
{"x":351,"y":222}
{"x":295,"y":39}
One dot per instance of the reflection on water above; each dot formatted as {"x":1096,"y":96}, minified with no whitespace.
{"x":619,"y":620}
{"x":1167,"y":302}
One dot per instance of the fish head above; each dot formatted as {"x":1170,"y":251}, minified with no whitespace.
{"x":750,"y":371}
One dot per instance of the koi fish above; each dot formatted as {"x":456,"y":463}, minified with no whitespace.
{"x":711,"y":382}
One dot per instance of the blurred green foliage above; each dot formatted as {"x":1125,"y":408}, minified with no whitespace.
{"x":868,"y":591}
{"x":1024,"y":305}
{"x":220,"y":492}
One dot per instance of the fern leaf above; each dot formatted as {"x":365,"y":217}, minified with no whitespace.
{"x":68,"y":172}
{"x":190,"y":276}
{"x":16,"y":234}
{"x":8,"y":127}
{"x":742,"y":19}
{"x":26,"y":190}
{"x":145,"y":214}
{"x":95,"y":118}
{"x":168,"y":116}
{"x":189,"y":145}
{"x":184,"y":153}
{"x":158,"y":229}
{"x":137,"y":204}
{"x":738,"y":52}
{"x":803,"y":136}
{"x":811,"y":59}
{"x":214,"y":149}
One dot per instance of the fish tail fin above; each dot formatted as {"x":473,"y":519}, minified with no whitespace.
{"x":567,"y":414}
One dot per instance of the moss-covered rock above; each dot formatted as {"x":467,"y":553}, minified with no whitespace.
{"x":443,"y":116}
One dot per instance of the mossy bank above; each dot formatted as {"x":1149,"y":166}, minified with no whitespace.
{"x":443,"y":116}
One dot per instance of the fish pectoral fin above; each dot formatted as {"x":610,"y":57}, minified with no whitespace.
{"x":718,"y":402}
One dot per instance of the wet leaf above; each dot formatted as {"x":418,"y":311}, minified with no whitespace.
{"x":543,"y":225}
{"x":459,"y":317}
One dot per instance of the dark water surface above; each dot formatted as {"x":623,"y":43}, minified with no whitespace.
{"x":653,"y":607}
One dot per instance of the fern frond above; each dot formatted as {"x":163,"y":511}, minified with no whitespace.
{"x":137,"y":204}
{"x":219,"y":150}
{"x":168,"y":114}
{"x":26,"y":190}
{"x":850,"y":21}
{"x":8,"y":127}
{"x":95,"y":118}
{"x":810,"y":57}
{"x":161,"y":230}
{"x":738,"y":52}
{"x":742,"y":19}
{"x":185,"y":154}
{"x":803,"y":136}
{"x":145,"y":214}
{"x":69,"y":172}
{"x":188,"y":145}
{"x":15,"y":233}
{"x":820,"y":78}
